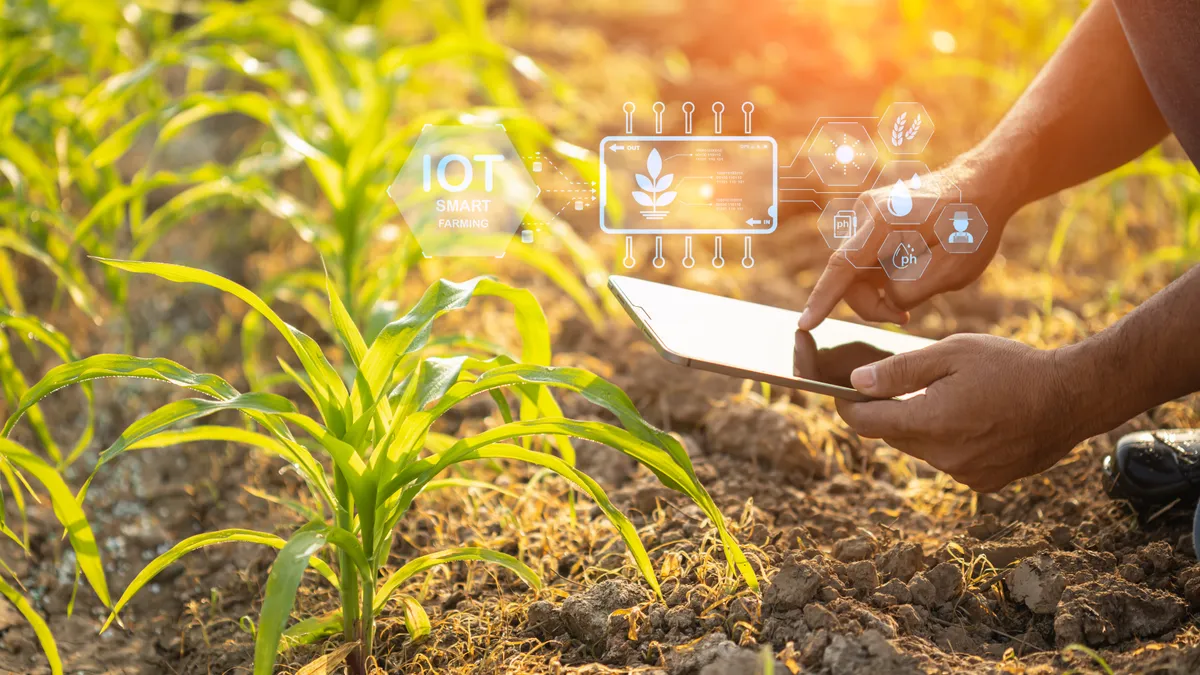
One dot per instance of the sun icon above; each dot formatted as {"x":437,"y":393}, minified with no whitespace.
{"x":844,"y":154}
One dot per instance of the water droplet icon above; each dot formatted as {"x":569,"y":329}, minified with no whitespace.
{"x":899,"y":200}
{"x":915,"y":182}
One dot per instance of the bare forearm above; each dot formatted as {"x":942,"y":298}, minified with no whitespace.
{"x":1147,"y":358}
{"x":1087,"y":112}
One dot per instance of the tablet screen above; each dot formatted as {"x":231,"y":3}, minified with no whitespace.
{"x":755,"y":338}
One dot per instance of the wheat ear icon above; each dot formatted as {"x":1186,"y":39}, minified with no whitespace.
{"x":912,"y":130}
{"x":898,"y":130}
{"x":899,"y":135}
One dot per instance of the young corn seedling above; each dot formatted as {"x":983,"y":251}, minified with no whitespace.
{"x":373,"y":426}
{"x":21,"y":470}
{"x":343,"y":104}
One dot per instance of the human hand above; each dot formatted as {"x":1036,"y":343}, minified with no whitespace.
{"x":994,"y":410}
{"x":853,"y":273}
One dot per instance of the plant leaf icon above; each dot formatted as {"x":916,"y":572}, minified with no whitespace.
{"x":665,"y":198}
{"x":664,"y":182}
{"x":643,"y":199}
{"x":654,"y":163}
{"x":644,"y":183}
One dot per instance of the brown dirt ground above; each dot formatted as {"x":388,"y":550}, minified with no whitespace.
{"x":869,"y":560}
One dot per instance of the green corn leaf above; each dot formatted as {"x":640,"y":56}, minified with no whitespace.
{"x":13,"y":385}
{"x":319,"y":65}
{"x":190,"y":409}
{"x":40,"y":628}
{"x":416,"y":621}
{"x":581,"y":480}
{"x":10,"y":292}
{"x":198,"y":107}
{"x":48,"y":335}
{"x":311,"y":629}
{"x":656,"y":450}
{"x":195,"y":199}
{"x":330,"y":389}
{"x":68,"y":512}
{"x":418,"y":565}
{"x":77,"y":287}
{"x":119,"y":365}
{"x":410,"y":332}
{"x":200,"y":541}
{"x":351,"y":338}
{"x":106,"y":99}
{"x":284,"y":579}
{"x":343,"y":454}
{"x":120,"y":140}
{"x":443,"y":483}
{"x":296,"y":506}
{"x":111,"y":201}
{"x":39,"y":174}
{"x":564,"y":277}
{"x":285,"y":287}
{"x":327,"y":172}
{"x":296,"y":454}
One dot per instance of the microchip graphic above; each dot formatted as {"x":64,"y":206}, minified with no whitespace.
{"x":688,"y":184}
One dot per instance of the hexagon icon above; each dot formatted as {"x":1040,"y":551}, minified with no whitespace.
{"x":846,"y":223}
{"x":842,"y":153}
{"x":905,"y":128}
{"x":463,"y":191}
{"x":961,"y":228}
{"x":904,"y":255}
{"x":901,"y":192}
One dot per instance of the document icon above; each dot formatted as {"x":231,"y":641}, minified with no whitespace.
{"x":845,"y":224}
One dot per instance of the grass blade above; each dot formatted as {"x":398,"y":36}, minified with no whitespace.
{"x":200,"y":541}
{"x":330,"y":389}
{"x":189,"y":409}
{"x":119,"y":365}
{"x":68,"y":512}
{"x":280,"y":595}
{"x":40,"y":628}
{"x":418,"y":565}
{"x":416,"y":621}
{"x":581,"y":480}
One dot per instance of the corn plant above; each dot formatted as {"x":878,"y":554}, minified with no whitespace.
{"x":352,"y":133}
{"x":373,"y":425}
{"x":69,"y":74}
{"x":13,"y":384}
{"x":21,"y":467}
{"x":349,"y":136}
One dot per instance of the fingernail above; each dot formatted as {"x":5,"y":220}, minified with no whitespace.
{"x":805,"y":317}
{"x":863,"y":377}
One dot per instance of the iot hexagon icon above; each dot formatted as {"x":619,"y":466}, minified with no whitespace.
{"x":961,"y":228}
{"x":905,"y":128}
{"x":904,"y":255}
{"x":842,"y":153}
{"x":463,"y":191}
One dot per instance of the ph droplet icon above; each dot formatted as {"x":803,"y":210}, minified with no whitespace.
{"x":904,"y":255}
{"x":899,"y":200}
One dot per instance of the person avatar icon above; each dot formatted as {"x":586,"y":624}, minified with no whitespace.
{"x":960,"y":235}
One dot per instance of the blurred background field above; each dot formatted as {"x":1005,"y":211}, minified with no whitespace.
{"x":255,"y":139}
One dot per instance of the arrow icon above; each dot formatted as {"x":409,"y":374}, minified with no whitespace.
{"x":615,"y":147}
{"x":755,"y":221}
